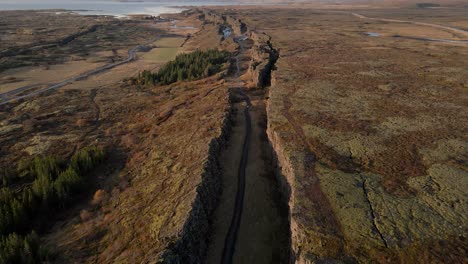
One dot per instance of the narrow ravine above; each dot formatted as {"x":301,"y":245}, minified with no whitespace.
{"x":251,"y":222}
{"x":231,"y":237}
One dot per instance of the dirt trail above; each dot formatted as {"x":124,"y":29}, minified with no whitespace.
{"x":231,"y":237}
{"x":13,"y":94}
{"x":251,"y":223}
{"x":462,"y":32}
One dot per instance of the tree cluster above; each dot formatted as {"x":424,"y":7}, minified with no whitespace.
{"x":18,"y":249}
{"x":43,"y":185}
{"x":190,"y":66}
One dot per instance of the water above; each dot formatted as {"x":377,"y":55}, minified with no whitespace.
{"x":433,"y":39}
{"x":114,"y":8}
{"x":227,"y":32}
{"x":372,"y":34}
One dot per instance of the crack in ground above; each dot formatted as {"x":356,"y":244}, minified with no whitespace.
{"x":374,"y":223}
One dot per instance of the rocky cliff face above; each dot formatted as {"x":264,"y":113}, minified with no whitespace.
{"x":192,"y":245}
{"x":264,"y":57}
{"x":237,"y":25}
{"x":369,"y":181}
{"x":288,"y":158}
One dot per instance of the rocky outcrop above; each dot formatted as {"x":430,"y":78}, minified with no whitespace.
{"x":237,"y":25}
{"x":285,"y":177}
{"x":287,"y":170}
{"x":261,"y":74}
{"x":263,"y":54}
{"x":192,"y":245}
{"x":340,"y":210}
{"x":212,"y":17}
{"x":264,"y":57}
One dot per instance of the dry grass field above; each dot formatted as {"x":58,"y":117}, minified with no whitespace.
{"x":160,"y":141}
{"x":370,"y":132}
{"x":351,"y":121}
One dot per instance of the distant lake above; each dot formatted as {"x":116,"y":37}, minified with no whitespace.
{"x":114,"y":8}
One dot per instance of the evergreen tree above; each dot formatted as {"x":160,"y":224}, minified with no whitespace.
{"x":67,"y":183}
{"x":191,"y":66}
{"x":29,"y":206}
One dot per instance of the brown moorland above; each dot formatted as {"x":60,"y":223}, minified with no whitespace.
{"x":370,"y":131}
{"x":361,"y":112}
{"x":160,"y":177}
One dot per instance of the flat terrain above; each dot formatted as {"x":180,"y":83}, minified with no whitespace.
{"x":343,"y":128}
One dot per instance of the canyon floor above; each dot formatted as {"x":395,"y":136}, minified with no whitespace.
{"x":367,"y":115}
{"x":333,"y":134}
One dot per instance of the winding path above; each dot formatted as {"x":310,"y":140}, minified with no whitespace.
{"x":10,"y":95}
{"x":231,"y":237}
{"x":451,"y":29}
{"x":455,"y":30}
